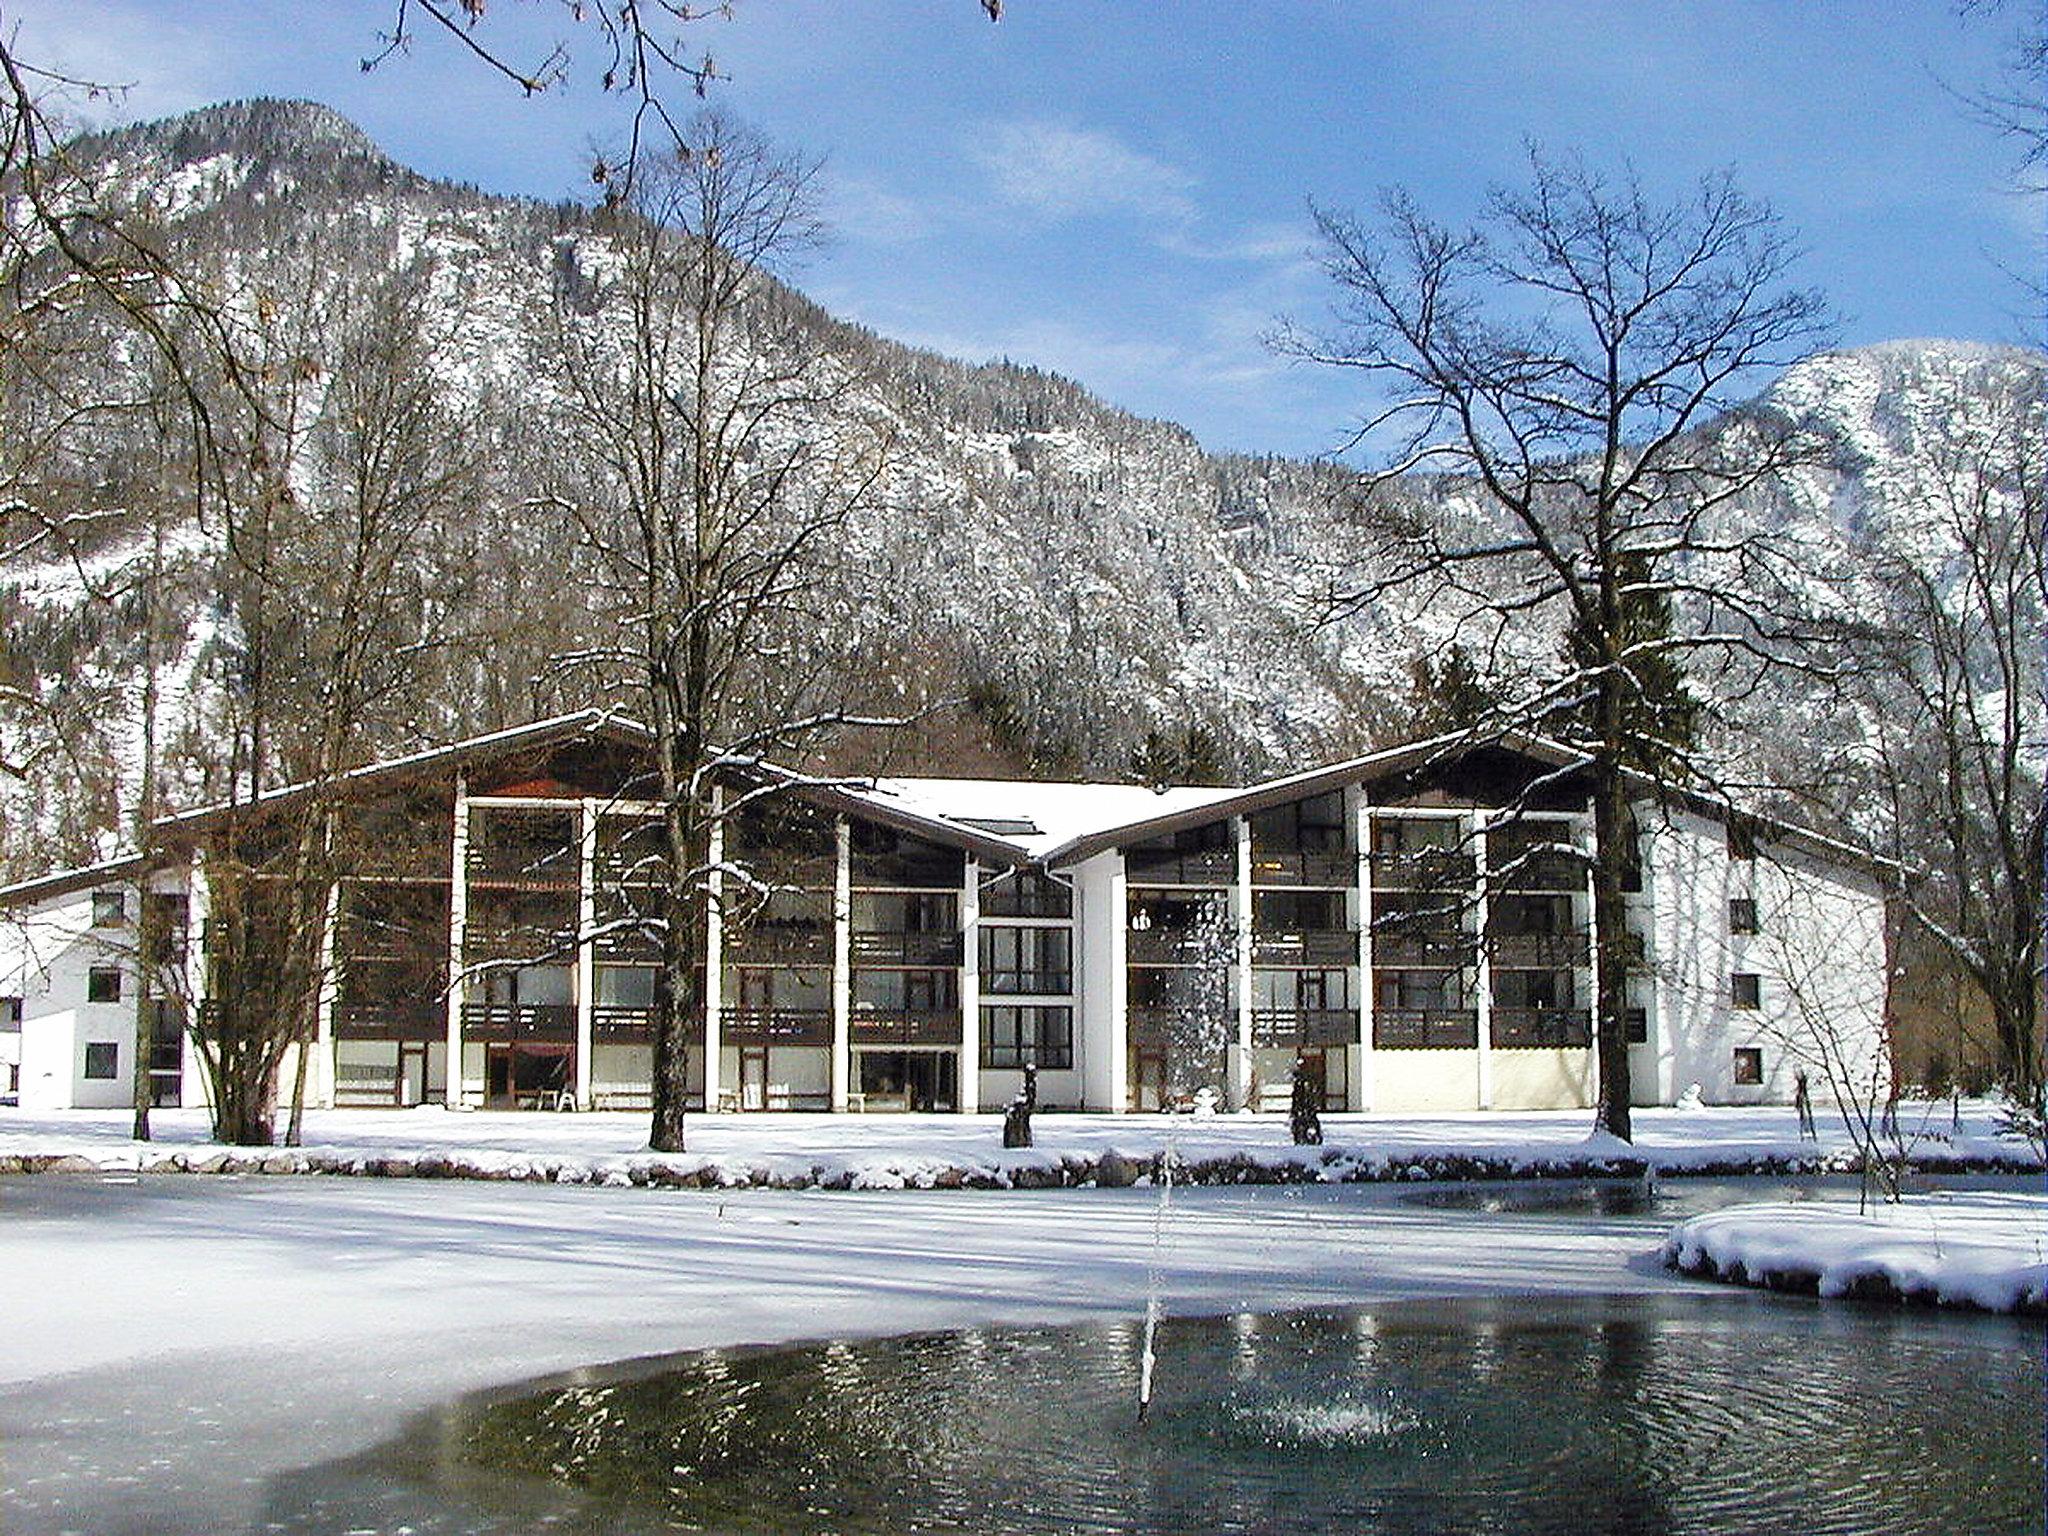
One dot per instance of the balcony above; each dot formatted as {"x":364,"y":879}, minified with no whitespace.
{"x":519,"y":1021}
{"x":907,"y":1026}
{"x":1424,"y":869}
{"x":1425,"y":949}
{"x":905,"y":949}
{"x":788,"y":944}
{"x":1542,"y":871}
{"x":1293,"y":1028}
{"x":1306,"y":946}
{"x":612,"y":1025}
{"x":524,"y":867}
{"x":1527,"y":1028}
{"x":1325,"y":870}
{"x":1178,"y":946}
{"x":1539,"y":951}
{"x":1208,"y":866}
{"x":783,"y":1026}
{"x":481,"y":942}
{"x":390,"y":1021}
{"x":1425,"y":1029}
{"x":1187,"y":1028}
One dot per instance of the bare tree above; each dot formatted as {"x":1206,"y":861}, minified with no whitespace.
{"x":720,"y":450}
{"x":350,"y":467}
{"x":1951,"y":690}
{"x":643,"y":51}
{"x":1563,"y":358}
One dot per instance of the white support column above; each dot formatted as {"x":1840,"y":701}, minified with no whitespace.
{"x":970,"y":989}
{"x":1593,"y":945}
{"x":1362,"y":1052}
{"x":1482,"y":1002}
{"x":320,"y":1077}
{"x":1240,"y":1054}
{"x":842,"y":966}
{"x":458,"y":929}
{"x":198,"y":908}
{"x":586,"y":952}
{"x":714,"y":960}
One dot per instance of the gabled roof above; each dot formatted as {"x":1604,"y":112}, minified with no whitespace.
{"x":1001,"y":821}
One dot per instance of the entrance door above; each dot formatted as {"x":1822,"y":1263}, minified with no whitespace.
{"x":412,"y":1073}
{"x":1148,"y":1081}
{"x":526,"y":1076}
{"x":753,"y":1077}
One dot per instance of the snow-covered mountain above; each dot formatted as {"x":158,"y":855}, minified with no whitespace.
{"x":1113,"y":600}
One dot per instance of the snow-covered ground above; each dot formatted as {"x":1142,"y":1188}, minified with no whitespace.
{"x":896,"y":1151}
{"x":1977,"y":1249}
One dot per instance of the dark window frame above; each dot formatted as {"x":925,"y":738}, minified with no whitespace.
{"x":103,"y":984}
{"x":1742,"y":915}
{"x":102,"y":1061}
{"x":109,"y":908}
{"x":1749,"y":1066}
{"x":1745,"y":990}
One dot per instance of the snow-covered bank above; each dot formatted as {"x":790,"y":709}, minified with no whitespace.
{"x":802,"y":1151}
{"x":1972,"y":1249}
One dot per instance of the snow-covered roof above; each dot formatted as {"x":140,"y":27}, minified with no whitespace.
{"x":1035,"y":815}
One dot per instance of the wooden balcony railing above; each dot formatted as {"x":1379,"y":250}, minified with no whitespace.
{"x":1183,"y":1027}
{"x":1178,"y":946}
{"x":1306,"y":946}
{"x":1326,"y":870}
{"x":1292,"y":1028}
{"x":794,"y":944}
{"x":1426,"y":869}
{"x":775,"y":1026}
{"x":519,"y":866}
{"x":1539,"y":951}
{"x":1539,"y":872}
{"x":1525,"y":1028}
{"x":907,"y":1026}
{"x":390,"y":1021}
{"x":1424,"y":949}
{"x":1213,"y":866}
{"x":1417,"y":1029}
{"x":519,"y":1021}
{"x":482,"y":942}
{"x":906,"y":949}
{"x":611,"y":1024}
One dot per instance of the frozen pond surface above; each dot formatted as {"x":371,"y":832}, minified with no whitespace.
{"x":179,"y":1349}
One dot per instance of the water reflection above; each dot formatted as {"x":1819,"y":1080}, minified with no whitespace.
{"x":1649,"y":1415}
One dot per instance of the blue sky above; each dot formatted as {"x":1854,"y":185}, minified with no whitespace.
{"x":1119,"y":191}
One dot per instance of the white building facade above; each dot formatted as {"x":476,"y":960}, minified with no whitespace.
{"x":1413,"y":929}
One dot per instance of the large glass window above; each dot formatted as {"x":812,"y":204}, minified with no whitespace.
{"x":1532,"y":989}
{"x":1027,"y":960}
{"x":1012,"y":1036}
{"x":1299,"y":912}
{"x":1286,"y":991}
{"x":1314,"y":825}
{"x":1420,"y":989}
{"x":912,"y":991}
{"x":1026,"y":893}
{"x":625,"y":986}
{"x":906,"y":912}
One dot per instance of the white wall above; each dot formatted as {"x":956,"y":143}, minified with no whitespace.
{"x":1819,"y":956}
{"x":47,"y":954}
{"x":1099,"y":972}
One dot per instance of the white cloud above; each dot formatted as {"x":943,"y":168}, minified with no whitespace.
{"x":1063,"y":172}
{"x":869,"y":212}
{"x":161,"y":65}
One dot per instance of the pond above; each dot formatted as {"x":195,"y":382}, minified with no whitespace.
{"x":1655,"y":1414}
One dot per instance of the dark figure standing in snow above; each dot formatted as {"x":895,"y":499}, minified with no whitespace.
{"x":1305,"y":1107}
{"x":1803,"y":1102}
{"x":1017,"y":1118}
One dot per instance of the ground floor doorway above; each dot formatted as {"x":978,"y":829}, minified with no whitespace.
{"x":912,"y":1080}
{"x":528,"y":1076}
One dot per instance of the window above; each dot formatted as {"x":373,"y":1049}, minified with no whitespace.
{"x":103,"y":984}
{"x":1419,"y":989}
{"x":1742,"y":914}
{"x":625,"y":986}
{"x":1012,"y":1036}
{"x":1749,"y":1065}
{"x":879,"y":991}
{"x":1307,"y":826}
{"x":1532,"y":989}
{"x":1637,"y":1023}
{"x":1745,"y":989}
{"x":102,"y":1060}
{"x":109,"y":908}
{"x":1026,"y":893}
{"x":1026,"y":960}
{"x":1741,"y":840}
{"x":10,"y":1015}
